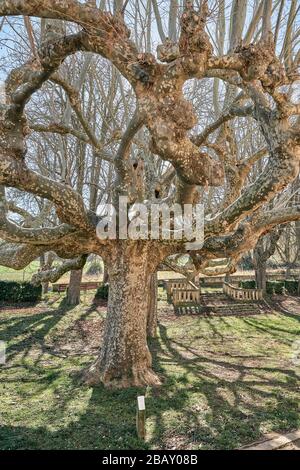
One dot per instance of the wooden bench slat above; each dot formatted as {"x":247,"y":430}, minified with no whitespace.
{"x":83,"y":286}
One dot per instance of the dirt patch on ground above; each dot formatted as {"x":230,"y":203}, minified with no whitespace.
{"x":276,"y":441}
{"x":293,"y":446}
{"x":286,"y":304}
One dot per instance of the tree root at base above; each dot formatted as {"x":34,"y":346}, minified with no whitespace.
{"x":139,"y":377}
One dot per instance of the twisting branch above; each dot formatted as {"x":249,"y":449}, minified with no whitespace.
{"x":108,"y":34}
{"x":73,"y":96}
{"x":11,"y":232}
{"x":23,"y":82}
{"x":55,"y":273}
{"x":69,"y":204}
{"x":121,"y":161}
{"x":18,"y":256}
{"x":233,"y":112}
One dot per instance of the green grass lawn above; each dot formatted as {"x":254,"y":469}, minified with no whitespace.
{"x":7,"y":274}
{"x":226,"y":381}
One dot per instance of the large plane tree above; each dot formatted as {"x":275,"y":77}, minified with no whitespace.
{"x":252,"y":86}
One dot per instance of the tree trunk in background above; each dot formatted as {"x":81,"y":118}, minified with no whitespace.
{"x":261,"y":275}
{"x":46,"y":261}
{"x":45,"y":287}
{"x":297,"y":224}
{"x":152,"y":308}
{"x":260,"y":265}
{"x":265,"y":248}
{"x":298,"y":248}
{"x":287,"y":251}
{"x":105,"y":275}
{"x":125,"y":359}
{"x":42,"y":267}
{"x":73,"y":294}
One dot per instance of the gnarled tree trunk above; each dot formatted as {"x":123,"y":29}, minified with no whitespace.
{"x":73,"y":295}
{"x":125,"y":359}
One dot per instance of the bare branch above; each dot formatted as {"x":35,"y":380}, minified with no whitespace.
{"x":55,"y":273}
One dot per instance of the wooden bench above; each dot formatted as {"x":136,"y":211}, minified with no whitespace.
{"x":90,"y":286}
{"x":60,"y":287}
{"x":181,"y":284}
{"x":84,"y":286}
{"x":237,"y":293}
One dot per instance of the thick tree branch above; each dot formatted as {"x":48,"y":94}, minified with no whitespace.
{"x":11,"y":232}
{"x":55,"y":273}
{"x":245,"y":237}
{"x":26,"y":80}
{"x":107,"y":33}
{"x":18,"y":256}
{"x":69,"y":204}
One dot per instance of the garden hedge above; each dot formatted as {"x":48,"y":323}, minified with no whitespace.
{"x":274,"y":287}
{"x":248,"y":284}
{"x":102,"y":292}
{"x":12,"y":291}
{"x":291,"y":286}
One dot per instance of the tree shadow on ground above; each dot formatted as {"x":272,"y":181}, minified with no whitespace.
{"x":23,"y":332}
{"x":104,"y":425}
{"x":237,"y":398}
{"x":207,"y":400}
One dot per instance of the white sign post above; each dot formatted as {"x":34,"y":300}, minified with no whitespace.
{"x":2,"y":353}
{"x":141,"y":417}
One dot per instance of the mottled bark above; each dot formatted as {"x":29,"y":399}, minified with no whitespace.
{"x":125,"y":359}
{"x":260,"y":264}
{"x":46,"y":261}
{"x":105,"y":275}
{"x":45,"y":285}
{"x":264,"y":249}
{"x":73,"y":295}
{"x":261,"y":275}
{"x":54,"y":273}
{"x":152,"y":308}
{"x":163,"y":106}
{"x":297,"y":228}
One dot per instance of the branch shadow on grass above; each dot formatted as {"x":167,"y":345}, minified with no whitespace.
{"x":219,"y":403}
{"x":208,"y":400}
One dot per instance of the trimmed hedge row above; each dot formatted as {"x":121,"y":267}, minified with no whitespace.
{"x":292,"y":286}
{"x":248,"y":284}
{"x":102,"y":292}
{"x":275,"y":287}
{"x":11,"y":291}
